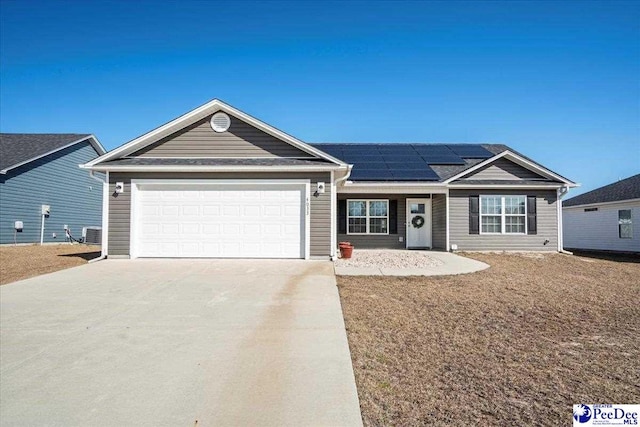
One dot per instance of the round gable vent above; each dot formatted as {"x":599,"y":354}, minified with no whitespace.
{"x":220,"y":122}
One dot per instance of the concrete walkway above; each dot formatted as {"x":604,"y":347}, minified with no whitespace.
{"x":177,"y":342}
{"x":448,"y":264}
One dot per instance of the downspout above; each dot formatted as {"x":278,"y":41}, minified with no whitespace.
{"x":560,"y":194}
{"x":334,"y":237}
{"x":105,"y":191}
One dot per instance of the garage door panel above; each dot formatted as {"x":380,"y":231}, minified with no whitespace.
{"x":170,"y":229}
{"x":211,"y":229}
{"x":168,"y":211}
{"x":231,"y":210}
{"x":236,"y":221}
{"x":208,"y":210}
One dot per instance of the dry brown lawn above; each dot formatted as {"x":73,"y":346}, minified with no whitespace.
{"x":22,"y":262}
{"x":516,"y":344}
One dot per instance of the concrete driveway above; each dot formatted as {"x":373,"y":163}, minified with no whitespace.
{"x":177,"y":342}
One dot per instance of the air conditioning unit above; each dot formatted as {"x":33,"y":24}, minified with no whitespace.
{"x":92,"y":235}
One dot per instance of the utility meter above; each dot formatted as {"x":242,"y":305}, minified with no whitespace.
{"x":18,"y":225}
{"x":46,"y":210}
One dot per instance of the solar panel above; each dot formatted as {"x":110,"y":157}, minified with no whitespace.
{"x":425,"y":174}
{"x":356,"y":148}
{"x":372,"y":165}
{"x":471,"y":151}
{"x":401,"y":162}
{"x":371,"y":174}
{"x":406,"y":150}
{"x":438,"y":154}
{"x":407,"y":165}
{"x":443,"y":160}
{"x":371,"y":158}
{"x":432,"y":149}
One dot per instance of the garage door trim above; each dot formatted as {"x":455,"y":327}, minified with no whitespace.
{"x":136,"y":183}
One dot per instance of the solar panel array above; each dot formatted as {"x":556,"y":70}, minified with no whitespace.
{"x":402,"y":162}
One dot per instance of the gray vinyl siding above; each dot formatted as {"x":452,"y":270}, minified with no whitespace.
{"x":120,"y":206}
{"x":546,"y":220}
{"x":503,"y":169}
{"x":56,"y":180}
{"x":439,"y":221}
{"x":390,"y":241}
{"x":241,"y":140}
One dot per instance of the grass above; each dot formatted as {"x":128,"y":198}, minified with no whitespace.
{"x":23,"y":262}
{"x":517,"y":344}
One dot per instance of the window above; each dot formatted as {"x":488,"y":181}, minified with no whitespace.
{"x":503,"y":214}
{"x":367,"y":216}
{"x":625,"y":225}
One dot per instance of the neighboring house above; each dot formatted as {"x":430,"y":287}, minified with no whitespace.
{"x":42,"y":169}
{"x":605,"y":219}
{"x":217,"y":182}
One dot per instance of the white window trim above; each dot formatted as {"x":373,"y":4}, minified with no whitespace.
{"x":367,"y":217}
{"x":630,"y":223}
{"x":502,"y":215}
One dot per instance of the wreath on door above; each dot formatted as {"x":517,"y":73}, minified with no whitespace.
{"x":417,"y":221}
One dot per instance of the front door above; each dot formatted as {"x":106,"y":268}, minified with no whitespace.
{"x":418,"y":223}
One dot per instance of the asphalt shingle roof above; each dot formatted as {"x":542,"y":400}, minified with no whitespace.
{"x":625,"y":189}
{"x":16,"y":148}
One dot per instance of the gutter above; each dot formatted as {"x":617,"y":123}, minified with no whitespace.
{"x":346,"y":176}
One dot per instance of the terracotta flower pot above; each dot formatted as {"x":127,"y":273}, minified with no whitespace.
{"x":346,"y":251}
{"x":341,"y":244}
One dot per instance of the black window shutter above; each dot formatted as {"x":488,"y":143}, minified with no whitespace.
{"x":474,"y":214}
{"x":532,"y":220}
{"x":342,"y":216}
{"x":393,"y":217}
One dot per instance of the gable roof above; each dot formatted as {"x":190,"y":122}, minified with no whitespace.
{"x":625,"y":189}
{"x":17,"y":149}
{"x":444,"y":163}
{"x":519,"y":159}
{"x":198,"y":114}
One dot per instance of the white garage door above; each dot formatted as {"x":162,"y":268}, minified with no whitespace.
{"x":219,"y":220}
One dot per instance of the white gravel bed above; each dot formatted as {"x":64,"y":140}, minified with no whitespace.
{"x":366,"y":258}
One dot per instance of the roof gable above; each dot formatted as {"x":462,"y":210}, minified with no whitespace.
{"x":241,"y":140}
{"x":626,"y":189}
{"x":198,"y":115}
{"x":17,"y":149}
{"x":503,"y":169}
{"x":516,"y":158}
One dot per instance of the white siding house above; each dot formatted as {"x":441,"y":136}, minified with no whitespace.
{"x":605,"y":219}
{"x":603,"y":227}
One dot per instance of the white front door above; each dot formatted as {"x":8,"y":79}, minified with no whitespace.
{"x":418,"y":223}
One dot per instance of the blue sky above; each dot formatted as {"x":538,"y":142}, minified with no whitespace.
{"x":558,"y":81}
